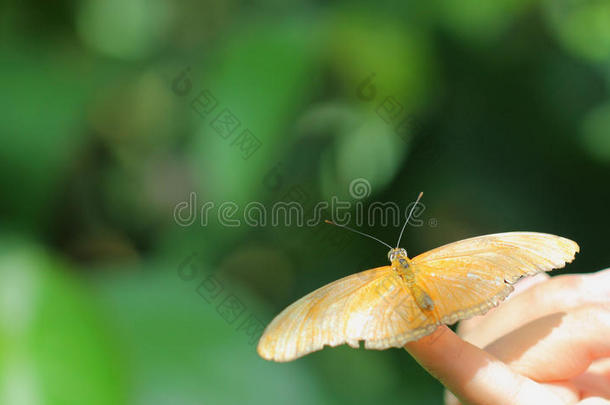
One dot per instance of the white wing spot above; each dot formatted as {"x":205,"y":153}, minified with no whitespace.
{"x":473,"y":276}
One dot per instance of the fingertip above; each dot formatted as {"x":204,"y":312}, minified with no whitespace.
{"x":445,"y":355}
{"x":450,"y":399}
{"x":432,"y":349}
{"x":473,"y":375}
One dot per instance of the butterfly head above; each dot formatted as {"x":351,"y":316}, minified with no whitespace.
{"x":397,"y":253}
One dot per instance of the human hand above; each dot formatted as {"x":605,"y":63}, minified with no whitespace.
{"x":548,"y":343}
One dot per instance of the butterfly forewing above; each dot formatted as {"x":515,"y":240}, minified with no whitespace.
{"x":469,"y":277}
{"x":371,"y":306}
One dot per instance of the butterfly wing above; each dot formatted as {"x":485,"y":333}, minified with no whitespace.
{"x":468,"y":277}
{"x":463,"y":279}
{"x":373,"y":306}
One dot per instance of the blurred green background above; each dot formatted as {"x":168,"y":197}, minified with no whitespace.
{"x":504,"y":123}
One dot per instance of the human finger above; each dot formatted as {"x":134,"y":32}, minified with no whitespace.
{"x":557,"y":294}
{"x":596,"y":380}
{"x":559,"y":346}
{"x":472,"y":374}
{"x":466,"y":326}
{"x":594,"y":401}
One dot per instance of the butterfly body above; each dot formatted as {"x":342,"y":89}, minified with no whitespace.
{"x":406,"y":271}
{"x":391,"y":305}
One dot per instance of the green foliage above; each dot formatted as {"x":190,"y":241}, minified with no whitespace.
{"x":501,"y":116}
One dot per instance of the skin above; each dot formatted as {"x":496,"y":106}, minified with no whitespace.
{"x":548,"y":343}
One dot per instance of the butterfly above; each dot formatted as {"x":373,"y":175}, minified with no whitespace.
{"x":391,"y":305}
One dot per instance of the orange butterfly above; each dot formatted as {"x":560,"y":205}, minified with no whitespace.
{"x":389,"y":306}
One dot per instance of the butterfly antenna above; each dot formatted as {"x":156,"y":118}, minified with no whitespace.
{"x":421,"y":194}
{"x":358,"y":232}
